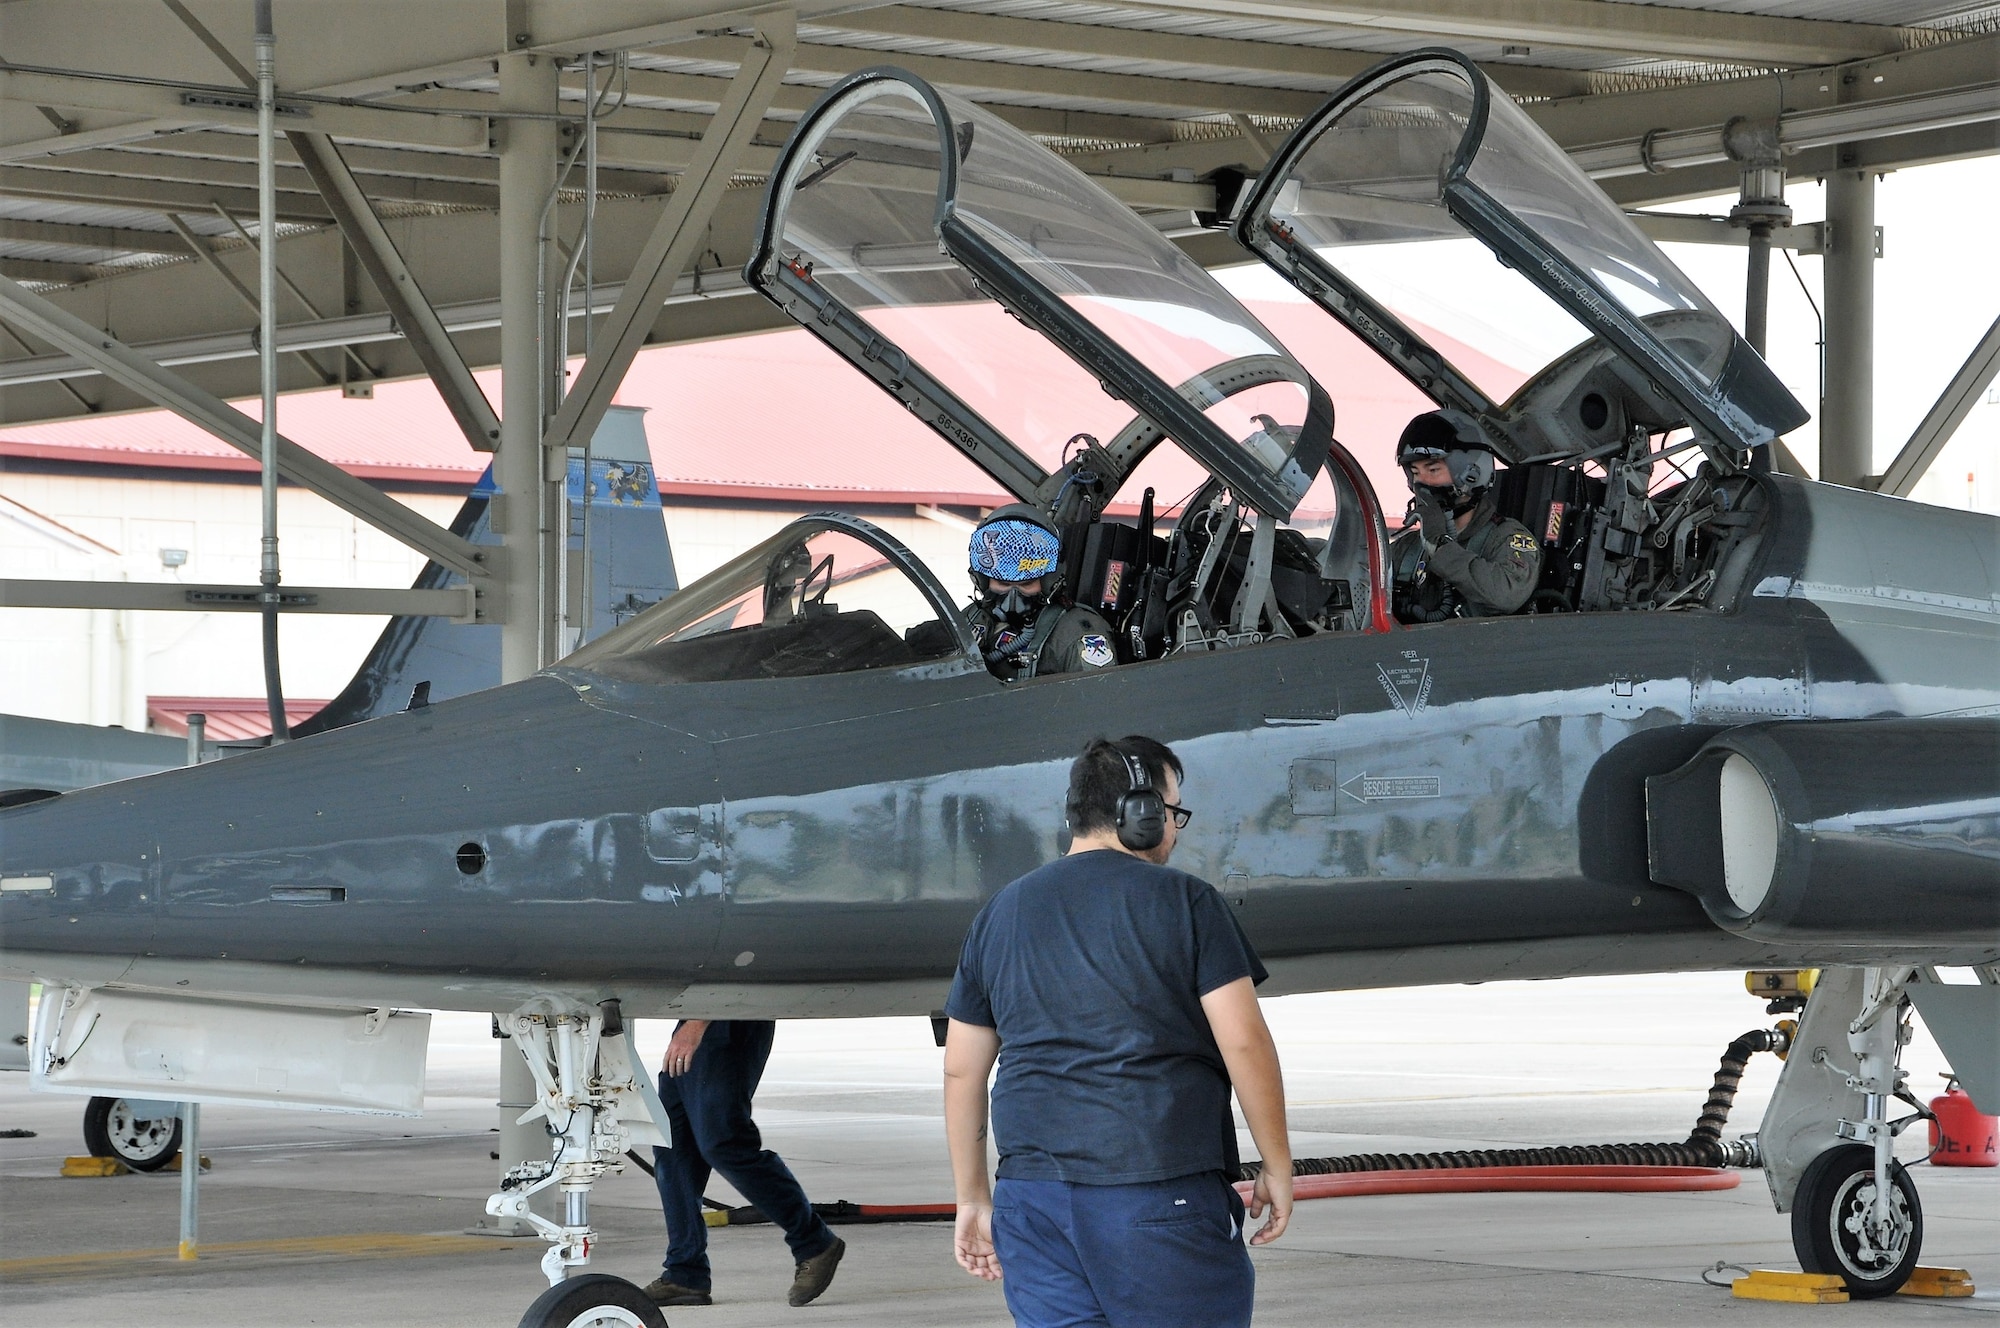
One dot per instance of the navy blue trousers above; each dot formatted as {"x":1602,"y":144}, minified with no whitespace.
{"x":1165,"y":1254}
{"x":708,"y":1108}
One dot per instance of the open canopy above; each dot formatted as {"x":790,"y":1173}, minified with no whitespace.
{"x":904,"y":225}
{"x":1382,"y":201}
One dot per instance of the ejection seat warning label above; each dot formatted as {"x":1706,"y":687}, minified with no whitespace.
{"x":1408,"y":684}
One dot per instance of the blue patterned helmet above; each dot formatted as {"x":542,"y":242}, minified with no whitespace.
{"x":1013,"y":545}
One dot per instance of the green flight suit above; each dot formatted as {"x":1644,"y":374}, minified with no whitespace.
{"x":1490,"y":569}
{"x":1076,"y":640}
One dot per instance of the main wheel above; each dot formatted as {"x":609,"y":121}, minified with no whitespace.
{"x":1830,"y":1228}
{"x":112,"y":1129}
{"x":595,"y":1300}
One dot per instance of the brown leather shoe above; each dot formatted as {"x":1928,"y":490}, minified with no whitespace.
{"x":662,"y":1292}
{"x":815,"y":1275}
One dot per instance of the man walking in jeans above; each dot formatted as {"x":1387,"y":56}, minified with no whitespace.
{"x":706,"y":1083}
{"x":1118,"y":996}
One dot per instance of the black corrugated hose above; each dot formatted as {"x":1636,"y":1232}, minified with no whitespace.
{"x":1704,"y":1146}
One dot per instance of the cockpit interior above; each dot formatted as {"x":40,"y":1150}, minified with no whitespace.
{"x":913,"y":232}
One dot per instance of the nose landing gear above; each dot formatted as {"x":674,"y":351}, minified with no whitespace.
{"x":584,"y":1078}
{"x":595,"y":1300}
{"x":1839,"y":1227}
{"x":1854,"y":1208}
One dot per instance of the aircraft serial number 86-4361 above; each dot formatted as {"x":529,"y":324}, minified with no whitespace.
{"x":1760,"y":731}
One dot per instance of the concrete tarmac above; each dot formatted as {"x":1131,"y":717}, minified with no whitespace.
{"x":311,"y":1218}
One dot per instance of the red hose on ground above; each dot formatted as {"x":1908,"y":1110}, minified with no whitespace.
{"x":1484,"y":1180}
{"x":1354,"y":1184}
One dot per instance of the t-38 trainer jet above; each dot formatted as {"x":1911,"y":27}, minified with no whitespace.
{"x":1760,"y":732}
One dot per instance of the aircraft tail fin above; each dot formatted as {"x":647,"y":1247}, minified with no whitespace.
{"x":630,"y":566}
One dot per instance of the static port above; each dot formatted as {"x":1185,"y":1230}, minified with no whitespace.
{"x":471,"y":859}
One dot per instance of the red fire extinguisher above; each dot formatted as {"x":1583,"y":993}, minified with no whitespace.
{"x":1962,"y":1136}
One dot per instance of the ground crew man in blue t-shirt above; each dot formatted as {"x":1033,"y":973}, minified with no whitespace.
{"x":1118,"y":996}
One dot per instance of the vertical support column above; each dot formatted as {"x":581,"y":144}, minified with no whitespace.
{"x":191,"y":1111}
{"x":528,"y":82}
{"x":1847,"y":416}
{"x":527,"y":174}
{"x":132,"y":670}
{"x":190,"y":1180}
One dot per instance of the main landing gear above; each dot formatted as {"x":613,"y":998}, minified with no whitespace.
{"x":1854,"y":1208}
{"x":594,"y":1106}
{"x":144,"y":1135}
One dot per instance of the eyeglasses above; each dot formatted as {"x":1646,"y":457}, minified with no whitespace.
{"x":1181,"y":816}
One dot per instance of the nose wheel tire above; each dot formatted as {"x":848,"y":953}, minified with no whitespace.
{"x":594,"y":1300}
{"x":1832,"y":1230}
{"x":112,"y":1129}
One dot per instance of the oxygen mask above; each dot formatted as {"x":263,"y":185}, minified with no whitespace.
{"x":1012,"y":604}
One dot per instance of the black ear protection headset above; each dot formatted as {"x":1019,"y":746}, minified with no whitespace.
{"x":1142,"y":812}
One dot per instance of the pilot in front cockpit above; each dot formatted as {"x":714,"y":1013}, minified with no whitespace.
{"x":1458,"y":557}
{"x":1024,"y":625}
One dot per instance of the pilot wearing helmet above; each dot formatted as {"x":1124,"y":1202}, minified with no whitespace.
{"x":1458,"y":557}
{"x":1024,"y":626}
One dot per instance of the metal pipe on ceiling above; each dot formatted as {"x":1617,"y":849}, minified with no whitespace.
{"x":268,"y":574}
{"x":1856,"y":122}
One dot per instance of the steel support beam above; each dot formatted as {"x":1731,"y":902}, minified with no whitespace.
{"x":1944,"y":417}
{"x":241,"y":173}
{"x":354,"y":330}
{"x":459,"y":603}
{"x":680,"y":230}
{"x":196,"y":103}
{"x":1193,"y":96}
{"x":112,"y":239}
{"x":108,"y":136}
{"x":123,"y":365}
{"x":54,"y":273}
{"x":371,"y":244}
{"x":1696,"y":34}
{"x":201,"y":249}
{"x":1847,"y":416}
{"x":1124,"y":43}
{"x":46,"y":181}
{"x":1804,"y":239}
{"x":385,"y":171}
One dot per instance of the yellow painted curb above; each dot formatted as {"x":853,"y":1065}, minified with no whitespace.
{"x":94,"y":1166}
{"x":1949,"y":1283}
{"x":1796,"y":1288}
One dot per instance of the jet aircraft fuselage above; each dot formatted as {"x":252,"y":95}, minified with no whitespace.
{"x":1463,"y":801}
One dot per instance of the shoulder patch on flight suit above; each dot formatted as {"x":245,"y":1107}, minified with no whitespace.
{"x":1095,"y":651}
{"x":1521,"y":542}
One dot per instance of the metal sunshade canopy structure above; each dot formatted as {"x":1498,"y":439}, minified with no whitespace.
{"x":424,"y":229}
{"x":127,"y":142}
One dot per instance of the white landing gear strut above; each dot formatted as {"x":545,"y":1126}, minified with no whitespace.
{"x":594,"y":1105}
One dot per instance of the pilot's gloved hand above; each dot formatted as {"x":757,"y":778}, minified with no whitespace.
{"x":1436,"y":522}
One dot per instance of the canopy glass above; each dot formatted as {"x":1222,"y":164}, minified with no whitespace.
{"x":904,"y":226}
{"x":1394,"y":201}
